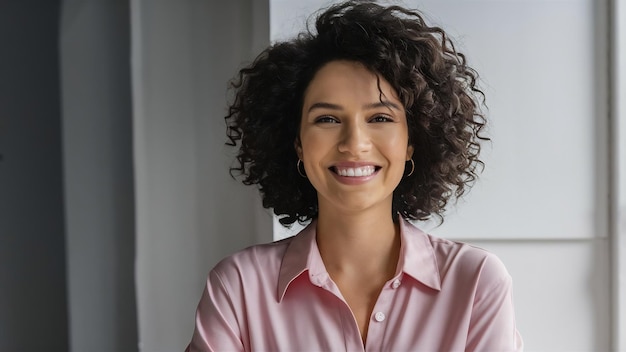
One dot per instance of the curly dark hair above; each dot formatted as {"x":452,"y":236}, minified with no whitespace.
{"x":437,"y":88}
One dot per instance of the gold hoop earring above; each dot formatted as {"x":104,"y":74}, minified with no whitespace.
{"x":298,"y":167}
{"x":412,"y":168}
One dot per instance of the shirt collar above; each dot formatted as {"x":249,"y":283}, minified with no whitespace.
{"x":417,"y":258}
{"x":301,"y":251}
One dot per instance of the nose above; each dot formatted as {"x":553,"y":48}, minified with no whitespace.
{"x":354,"y":139}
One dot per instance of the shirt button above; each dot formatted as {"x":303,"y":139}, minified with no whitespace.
{"x":380,"y":316}
{"x":395,"y":284}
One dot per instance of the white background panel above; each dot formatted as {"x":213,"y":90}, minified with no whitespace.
{"x":537,"y":69}
{"x":560,"y":292}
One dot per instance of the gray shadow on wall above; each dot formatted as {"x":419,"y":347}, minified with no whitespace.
{"x":98,"y":173}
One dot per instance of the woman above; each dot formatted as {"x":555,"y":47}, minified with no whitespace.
{"x":371,"y":121}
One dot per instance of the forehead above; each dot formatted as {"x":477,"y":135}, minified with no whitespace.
{"x":341,"y":80}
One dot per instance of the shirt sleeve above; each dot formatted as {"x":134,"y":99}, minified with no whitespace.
{"x":492,"y":323}
{"x":216,"y":320}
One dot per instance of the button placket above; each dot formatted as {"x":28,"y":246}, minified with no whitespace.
{"x":381,"y":315}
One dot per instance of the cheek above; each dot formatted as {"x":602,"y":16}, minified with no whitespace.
{"x":313,"y":151}
{"x":308,"y":148}
{"x":316,"y":142}
{"x":397,"y":147}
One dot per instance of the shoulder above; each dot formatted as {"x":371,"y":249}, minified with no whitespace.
{"x":264,"y":259}
{"x":460,"y":259}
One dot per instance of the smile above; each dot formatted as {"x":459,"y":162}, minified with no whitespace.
{"x":356,"y":171}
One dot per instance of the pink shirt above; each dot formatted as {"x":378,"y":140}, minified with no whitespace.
{"x":445,"y":296}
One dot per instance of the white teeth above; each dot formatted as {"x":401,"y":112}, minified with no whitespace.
{"x":356,"y":172}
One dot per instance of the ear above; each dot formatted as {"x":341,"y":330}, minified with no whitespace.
{"x":298,"y":147}
{"x":409,"y":152}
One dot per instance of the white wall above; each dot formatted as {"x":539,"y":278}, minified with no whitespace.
{"x":543,"y":118}
{"x":618,"y":243}
{"x":542,"y":204}
{"x":190,"y":213}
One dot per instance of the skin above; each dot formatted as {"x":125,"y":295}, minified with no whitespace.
{"x":345,"y":126}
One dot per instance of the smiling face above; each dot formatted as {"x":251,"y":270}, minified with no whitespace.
{"x":353,"y":141}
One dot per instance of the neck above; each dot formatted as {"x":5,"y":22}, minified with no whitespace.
{"x":366,"y":241}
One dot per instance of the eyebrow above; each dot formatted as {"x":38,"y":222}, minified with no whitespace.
{"x":384,"y":103}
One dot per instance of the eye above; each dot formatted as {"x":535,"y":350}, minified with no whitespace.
{"x":381,"y":118}
{"x":326,"y":119}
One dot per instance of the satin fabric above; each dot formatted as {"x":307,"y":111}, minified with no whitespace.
{"x":445,"y":296}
